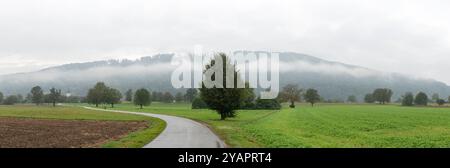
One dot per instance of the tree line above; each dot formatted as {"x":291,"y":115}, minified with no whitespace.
{"x":38,"y":96}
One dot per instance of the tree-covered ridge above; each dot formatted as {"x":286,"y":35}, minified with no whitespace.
{"x":335,"y":81}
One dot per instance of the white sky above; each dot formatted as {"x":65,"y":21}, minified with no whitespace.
{"x":405,"y":36}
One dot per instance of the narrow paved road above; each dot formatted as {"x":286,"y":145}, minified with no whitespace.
{"x":179,"y":133}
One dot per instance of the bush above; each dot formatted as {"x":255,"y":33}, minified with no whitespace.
{"x":440,"y":102}
{"x":248,"y":105}
{"x":421,"y":99}
{"x":199,"y":104}
{"x":269,"y":104}
{"x":408,"y":99}
{"x":11,"y":100}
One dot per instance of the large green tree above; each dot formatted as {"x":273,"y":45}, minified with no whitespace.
{"x":191,"y":94}
{"x":291,"y":93}
{"x":198,"y":103}
{"x":112,"y":96}
{"x":129,"y":95}
{"x":225,"y":101}
{"x":96,"y":95}
{"x":408,"y":99}
{"x":142,"y":98}
{"x":368,"y":98}
{"x":382,"y":95}
{"x":37,"y":95}
{"x":54,"y":96}
{"x":421,"y":99}
{"x":312,"y":96}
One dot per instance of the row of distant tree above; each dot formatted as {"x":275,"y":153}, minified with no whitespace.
{"x":166,"y":97}
{"x":102,"y":94}
{"x":39,"y":97}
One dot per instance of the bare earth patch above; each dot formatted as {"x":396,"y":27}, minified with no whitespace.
{"x":41,"y":133}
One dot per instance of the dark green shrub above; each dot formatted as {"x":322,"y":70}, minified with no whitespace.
{"x":198,"y":103}
{"x":268,"y":104}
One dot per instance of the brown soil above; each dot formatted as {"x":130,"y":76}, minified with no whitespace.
{"x":41,"y":133}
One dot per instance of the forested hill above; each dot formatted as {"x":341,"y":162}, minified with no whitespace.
{"x":333,"y":80}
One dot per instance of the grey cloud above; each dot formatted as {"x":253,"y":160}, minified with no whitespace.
{"x":409,"y":37}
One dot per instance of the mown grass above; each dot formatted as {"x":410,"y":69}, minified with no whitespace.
{"x":326,"y":125}
{"x":134,"y":140}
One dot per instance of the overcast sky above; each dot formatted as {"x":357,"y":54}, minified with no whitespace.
{"x":405,"y":36}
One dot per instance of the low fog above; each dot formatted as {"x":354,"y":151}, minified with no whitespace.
{"x":332,"y":79}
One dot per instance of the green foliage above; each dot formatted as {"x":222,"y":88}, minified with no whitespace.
{"x":291,"y":93}
{"x":54,"y":96}
{"x":101,"y":94}
{"x":142,"y":98}
{"x":351,"y":99}
{"x":435,"y":97}
{"x":248,"y":98}
{"x":167,"y":97}
{"x":382,"y":96}
{"x":129,"y":95}
{"x":440,"y":102}
{"x":73,"y":99}
{"x":369,"y":98}
{"x":1,"y":97}
{"x":268,"y":104}
{"x":11,"y":100}
{"x":312,"y":96}
{"x":225,"y":101}
{"x":96,"y":95}
{"x":37,"y":95}
{"x":198,"y":103}
{"x":421,"y":99}
{"x":112,"y":96}
{"x":191,"y":94}
{"x":408,"y":99}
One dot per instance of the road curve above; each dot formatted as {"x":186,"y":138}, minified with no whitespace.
{"x":179,"y":132}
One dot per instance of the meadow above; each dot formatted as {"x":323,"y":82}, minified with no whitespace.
{"x":323,"y":126}
{"x":137,"y":138}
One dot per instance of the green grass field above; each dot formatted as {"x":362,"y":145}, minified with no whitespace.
{"x":135,"y":139}
{"x":326,"y":125}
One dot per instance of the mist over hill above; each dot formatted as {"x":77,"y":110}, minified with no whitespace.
{"x":333,"y":80}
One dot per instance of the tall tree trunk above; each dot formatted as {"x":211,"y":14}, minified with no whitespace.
{"x":141,"y":106}
{"x":96,"y":105}
{"x":112,"y":105}
{"x":54,"y":104}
